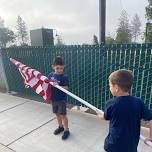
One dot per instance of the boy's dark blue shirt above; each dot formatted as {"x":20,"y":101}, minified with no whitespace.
{"x":125,"y":114}
{"x":62,"y":80}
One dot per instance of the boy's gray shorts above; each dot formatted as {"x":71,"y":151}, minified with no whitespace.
{"x":59,"y":107}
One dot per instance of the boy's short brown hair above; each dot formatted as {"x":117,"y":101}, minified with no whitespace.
{"x":58,"y":61}
{"x":123,"y":78}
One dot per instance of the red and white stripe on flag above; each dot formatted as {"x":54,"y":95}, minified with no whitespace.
{"x":34,"y":79}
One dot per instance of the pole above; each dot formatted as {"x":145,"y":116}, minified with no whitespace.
{"x":102,"y":21}
{"x":76,"y":97}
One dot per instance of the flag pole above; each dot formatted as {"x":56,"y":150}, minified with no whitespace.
{"x":77,"y":98}
{"x":142,"y":138}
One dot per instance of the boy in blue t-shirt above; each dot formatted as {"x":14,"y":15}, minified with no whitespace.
{"x":58,"y":97}
{"x":124,"y":113}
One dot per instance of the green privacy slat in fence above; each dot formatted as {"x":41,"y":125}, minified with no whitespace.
{"x":88,"y":68}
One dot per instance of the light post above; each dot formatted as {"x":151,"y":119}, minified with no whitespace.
{"x":102,"y":21}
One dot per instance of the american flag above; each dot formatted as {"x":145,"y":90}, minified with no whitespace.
{"x":34,"y":79}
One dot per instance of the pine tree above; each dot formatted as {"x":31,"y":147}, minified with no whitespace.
{"x":22,"y":31}
{"x":123,"y":31}
{"x":135,"y":27}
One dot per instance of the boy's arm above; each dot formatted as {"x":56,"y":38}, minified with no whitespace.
{"x":100,"y":114}
{"x":150,"y":133}
{"x":106,"y":115}
{"x":65,"y":83}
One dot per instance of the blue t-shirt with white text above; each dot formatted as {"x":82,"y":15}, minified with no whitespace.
{"x":62,"y":80}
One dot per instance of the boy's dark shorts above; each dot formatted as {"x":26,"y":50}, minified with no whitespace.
{"x":59,"y":107}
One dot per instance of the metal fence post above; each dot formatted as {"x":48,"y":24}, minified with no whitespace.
{"x":3,"y":72}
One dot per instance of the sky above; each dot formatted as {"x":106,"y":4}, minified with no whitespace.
{"x":75,"y":20}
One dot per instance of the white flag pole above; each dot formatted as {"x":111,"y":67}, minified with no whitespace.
{"x":76,"y":97}
{"x":142,"y":138}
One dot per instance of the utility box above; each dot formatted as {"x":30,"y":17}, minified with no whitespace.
{"x":42,"y":37}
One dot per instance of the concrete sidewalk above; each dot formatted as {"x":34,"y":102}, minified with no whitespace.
{"x":27,"y":126}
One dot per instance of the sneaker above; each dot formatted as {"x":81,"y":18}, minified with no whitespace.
{"x":66,"y":134}
{"x":58,"y":130}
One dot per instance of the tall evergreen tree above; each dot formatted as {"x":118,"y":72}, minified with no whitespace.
{"x":135,"y":27}
{"x":22,"y":31}
{"x":124,"y":30}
